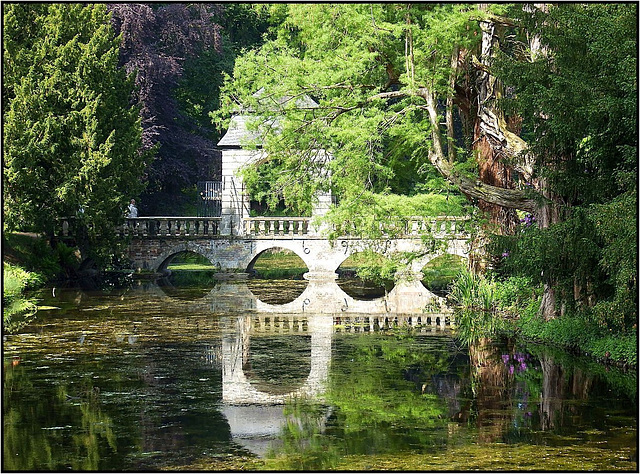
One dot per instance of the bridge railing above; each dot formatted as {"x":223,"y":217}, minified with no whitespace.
{"x":409,"y":227}
{"x":276,"y":226}
{"x":170,"y":227}
{"x":438,"y":227}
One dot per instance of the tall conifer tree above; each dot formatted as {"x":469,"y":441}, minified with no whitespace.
{"x":72,"y":136}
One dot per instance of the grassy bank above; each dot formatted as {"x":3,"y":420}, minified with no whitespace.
{"x":489,"y":307}
{"x":17,"y":308}
{"x":28,"y":262}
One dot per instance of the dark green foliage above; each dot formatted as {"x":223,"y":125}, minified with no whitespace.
{"x":579,"y":334}
{"x":71,"y":135}
{"x":578,"y":98}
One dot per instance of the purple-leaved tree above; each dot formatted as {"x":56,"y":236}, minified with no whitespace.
{"x":156,"y":42}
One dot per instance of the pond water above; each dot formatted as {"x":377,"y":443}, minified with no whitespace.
{"x":152,"y":377}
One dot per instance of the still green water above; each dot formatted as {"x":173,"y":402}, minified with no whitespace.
{"x":150,"y":377}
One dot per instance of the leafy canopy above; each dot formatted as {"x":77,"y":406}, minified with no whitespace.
{"x":362,"y":64}
{"x":71,"y":135}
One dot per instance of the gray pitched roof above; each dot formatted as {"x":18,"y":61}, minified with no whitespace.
{"x":238,"y":135}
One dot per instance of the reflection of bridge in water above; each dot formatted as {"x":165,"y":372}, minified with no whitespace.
{"x":409,"y":302}
{"x":256,"y":415}
{"x":238,"y":387}
{"x":254,"y":410}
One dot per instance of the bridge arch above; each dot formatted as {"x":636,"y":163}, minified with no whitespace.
{"x":164,"y":258}
{"x":255,"y":255}
{"x":295,"y":246}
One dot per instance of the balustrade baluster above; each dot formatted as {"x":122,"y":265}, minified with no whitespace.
{"x":164,"y":228}
{"x":280,"y":226}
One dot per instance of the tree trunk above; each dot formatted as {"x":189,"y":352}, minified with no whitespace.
{"x":547,"y":214}
{"x":492,"y":141}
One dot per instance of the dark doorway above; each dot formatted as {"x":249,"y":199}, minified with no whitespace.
{"x":209,"y":199}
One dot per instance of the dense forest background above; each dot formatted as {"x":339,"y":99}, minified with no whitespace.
{"x":524,"y":116}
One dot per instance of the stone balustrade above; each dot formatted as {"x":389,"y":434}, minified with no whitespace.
{"x":170,"y":227}
{"x":271,"y":227}
{"x":439,"y":227}
{"x":276,"y":226}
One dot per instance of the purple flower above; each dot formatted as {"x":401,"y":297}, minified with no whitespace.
{"x":505,"y":254}
{"x":528,"y":220}
{"x":505,"y":358}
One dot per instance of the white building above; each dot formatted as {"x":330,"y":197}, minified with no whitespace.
{"x":241,"y":147}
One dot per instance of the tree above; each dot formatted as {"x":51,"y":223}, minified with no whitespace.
{"x":578,"y":100}
{"x":72,"y":137}
{"x":157,"y":42}
{"x":430,"y":84}
{"x":381,"y":91}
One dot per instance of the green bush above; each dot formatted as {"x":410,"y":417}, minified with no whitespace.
{"x":515,"y":293}
{"x":477,"y":313}
{"x":34,"y":253}
{"x":471,"y":291}
{"x":17,"y":309}
{"x":579,"y":333}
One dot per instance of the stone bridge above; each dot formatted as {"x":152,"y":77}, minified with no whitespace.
{"x":155,"y":241}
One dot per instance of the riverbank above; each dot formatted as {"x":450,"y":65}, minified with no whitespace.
{"x":575,"y":335}
{"x":489,"y":307}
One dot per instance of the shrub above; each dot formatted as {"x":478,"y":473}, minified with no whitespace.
{"x":17,"y":309}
